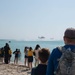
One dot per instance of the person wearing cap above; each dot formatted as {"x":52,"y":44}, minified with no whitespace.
{"x":69,"y":41}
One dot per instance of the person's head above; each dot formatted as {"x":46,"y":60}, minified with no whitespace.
{"x":25,"y":48}
{"x":7,"y":44}
{"x":30,"y":48}
{"x":44,"y":55}
{"x":37,"y":46}
{"x":16,"y":49}
{"x":69,"y":36}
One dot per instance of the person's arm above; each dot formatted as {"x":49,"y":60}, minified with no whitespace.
{"x":52,"y":63}
{"x":14,"y":52}
{"x":50,"y":66}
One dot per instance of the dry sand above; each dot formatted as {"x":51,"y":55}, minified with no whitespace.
{"x":11,"y":69}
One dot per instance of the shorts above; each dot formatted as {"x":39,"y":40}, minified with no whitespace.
{"x":26,"y":56}
{"x":30,"y":58}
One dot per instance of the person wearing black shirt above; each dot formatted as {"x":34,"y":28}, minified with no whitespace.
{"x":6,"y":53}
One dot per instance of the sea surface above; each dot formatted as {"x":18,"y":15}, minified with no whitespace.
{"x":21,"y":44}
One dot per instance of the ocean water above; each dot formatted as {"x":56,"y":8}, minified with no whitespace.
{"x":21,"y":44}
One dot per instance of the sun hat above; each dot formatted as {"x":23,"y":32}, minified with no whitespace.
{"x":70,"y":33}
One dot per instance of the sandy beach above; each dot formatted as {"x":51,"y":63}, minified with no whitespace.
{"x":12,"y":69}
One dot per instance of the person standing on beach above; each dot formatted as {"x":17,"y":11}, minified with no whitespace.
{"x":36,"y":50}
{"x":26,"y":55}
{"x":53,"y":62}
{"x":30,"y":57}
{"x":6,"y":53}
{"x":43,"y":56}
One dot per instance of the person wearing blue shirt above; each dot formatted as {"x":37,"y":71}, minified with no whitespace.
{"x":69,"y":41}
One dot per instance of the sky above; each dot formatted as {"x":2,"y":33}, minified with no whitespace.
{"x":30,"y":19}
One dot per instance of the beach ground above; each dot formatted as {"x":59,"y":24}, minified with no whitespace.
{"x":12,"y":69}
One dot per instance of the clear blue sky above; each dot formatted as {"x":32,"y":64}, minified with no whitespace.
{"x":28,"y":19}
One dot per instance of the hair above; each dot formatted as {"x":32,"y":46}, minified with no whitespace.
{"x":30,"y":48}
{"x":69,"y":36}
{"x":16,"y":49}
{"x":44,"y":55}
{"x":25,"y":49}
{"x":7,"y":44}
{"x":37,"y":46}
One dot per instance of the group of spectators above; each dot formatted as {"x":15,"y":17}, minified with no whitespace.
{"x":40,"y":56}
{"x":31,"y":54}
{"x":45,"y":63}
{"x":6,"y":54}
{"x":61,"y":61}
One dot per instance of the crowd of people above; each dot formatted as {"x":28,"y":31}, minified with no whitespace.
{"x":6,"y":54}
{"x":31,"y":54}
{"x":61,"y":61}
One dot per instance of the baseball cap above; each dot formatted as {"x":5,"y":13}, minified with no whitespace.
{"x":70,"y":33}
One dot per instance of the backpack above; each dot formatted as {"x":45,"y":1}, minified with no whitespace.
{"x":10,"y":52}
{"x":66,"y":65}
